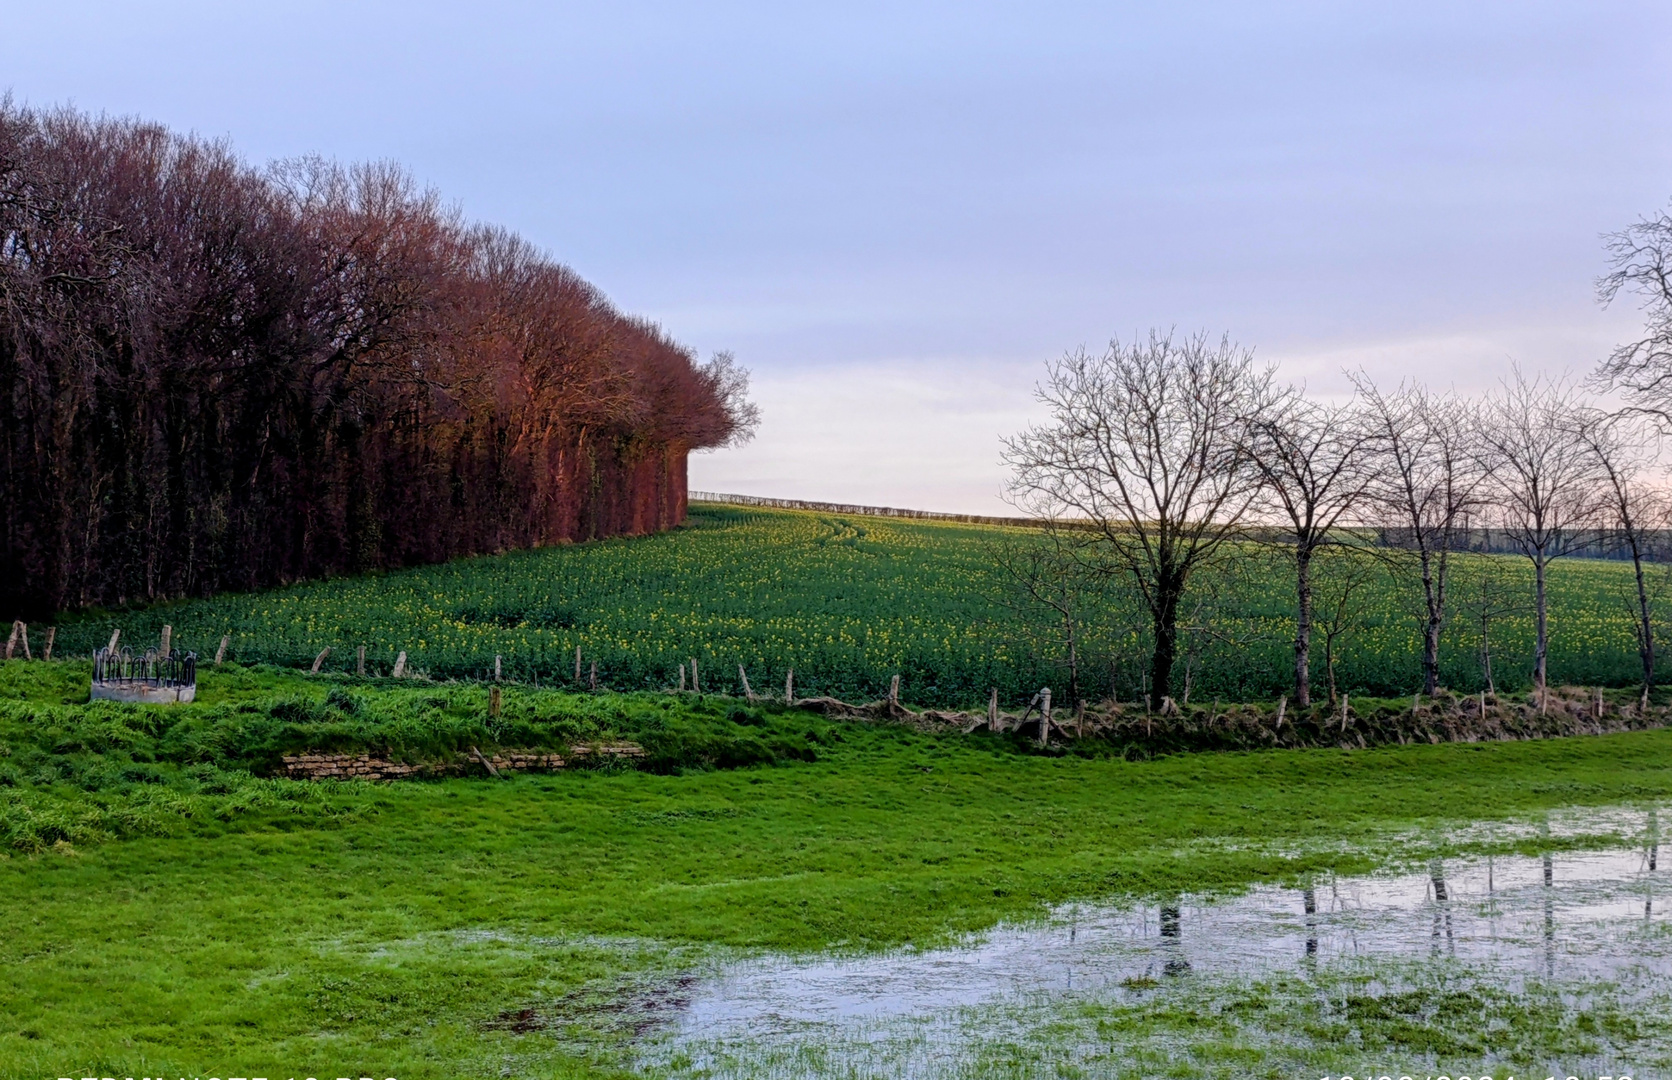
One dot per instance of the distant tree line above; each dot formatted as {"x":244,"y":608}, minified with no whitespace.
{"x":217,"y":376}
{"x":1186,"y":457}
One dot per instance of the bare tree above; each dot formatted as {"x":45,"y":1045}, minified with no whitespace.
{"x":1641,"y":256}
{"x":1545,"y":483}
{"x":1622,"y":450}
{"x":1428,"y":480}
{"x":1344,"y":581}
{"x":1047,"y":571}
{"x":1310,"y":459}
{"x":1145,"y":442}
{"x":1486,"y":605}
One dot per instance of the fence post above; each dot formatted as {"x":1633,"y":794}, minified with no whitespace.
{"x":1282,"y":705}
{"x":696,"y":683}
{"x":594,"y":679}
{"x":577,"y":664}
{"x":226,"y":639}
{"x":496,"y":670}
{"x":115,"y":636}
{"x":744,"y":677}
{"x":320,"y":659}
{"x":360,"y":660}
{"x":168,"y":639}
{"x":789,"y":687}
{"x":493,"y":702}
{"x":11,"y":642}
{"x":894,"y":692}
{"x":681,"y":678}
{"x":1044,"y":716}
{"x":400,"y":665}
{"x":51,"y":635}
{"x":993,"y":710}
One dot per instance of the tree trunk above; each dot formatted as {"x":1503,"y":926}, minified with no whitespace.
{"x":1431,"y":629}
{"x":1303,"y":626}
{"x":1166,"y":618}
{"x":1486,"y":655}
{"x":1073,"y":663}
{"x":1646,"y":631}
{"x":1541,"y":627}
{"x":1329,"y":664}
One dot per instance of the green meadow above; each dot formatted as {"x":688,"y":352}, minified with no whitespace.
{"x":341,"y":929}
{"x":174,"y":908}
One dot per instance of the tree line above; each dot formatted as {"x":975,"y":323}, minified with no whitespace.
{"x":1168,"y":458}
{"x":217,"y":376}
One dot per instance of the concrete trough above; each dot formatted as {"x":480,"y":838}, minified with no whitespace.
{"x":142,"y":694}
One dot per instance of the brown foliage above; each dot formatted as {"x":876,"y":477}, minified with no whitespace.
{"x":221,"y":377}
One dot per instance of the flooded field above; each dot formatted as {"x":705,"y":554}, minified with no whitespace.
{"x":1560,"y":961}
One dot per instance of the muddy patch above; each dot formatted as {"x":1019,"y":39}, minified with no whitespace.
{"x":628,"y":1010}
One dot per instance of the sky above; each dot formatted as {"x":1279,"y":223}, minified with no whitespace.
{"x":894,"y":214}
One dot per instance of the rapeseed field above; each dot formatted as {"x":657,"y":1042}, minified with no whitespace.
{"x":849,"y":601}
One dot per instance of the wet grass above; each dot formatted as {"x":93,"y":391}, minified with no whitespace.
{"x":1367,"y":1019}
{"x":406,"y":938}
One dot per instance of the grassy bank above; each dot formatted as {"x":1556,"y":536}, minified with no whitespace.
{"x":402,"y":932}
{"x":77,"y":772}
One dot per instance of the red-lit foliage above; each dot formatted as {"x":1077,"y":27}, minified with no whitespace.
{"x":217,"y":377}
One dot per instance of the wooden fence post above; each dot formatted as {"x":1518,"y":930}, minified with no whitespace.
{"x":681,"y":678}
{"x":1282,"y":706}
{"x":493,"y":702}
{"x":1343,"y":713}
{"x":894,"y":692}
{"x":11,"y":642}
{"x":743,"y":676}
{"x":496,"y":670}
{"x":320,"y":659}
{"x":168,"y":642}
{"x":360,"y":660}
{"x":696,"y":683}
{"x":51,"y":635}
{"x":577,"y":664}
{"x":115,"y":636}
{"x":789,"y":687}
{"x":1044,"y":716}
{"x":593,"y":681}
{"x":993,"y":710}
{"x":400,"y":665}
{"x":226,"y":639}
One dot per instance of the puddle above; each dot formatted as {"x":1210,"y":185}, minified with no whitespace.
{"x":1585,"y":923}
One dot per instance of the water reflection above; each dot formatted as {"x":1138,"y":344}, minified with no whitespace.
{"x":1169,"y":919}
{"x":1309,"y":903}
{"x":1572,"y":915}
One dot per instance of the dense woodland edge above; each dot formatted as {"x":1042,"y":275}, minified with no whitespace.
{"x":217,"y":376}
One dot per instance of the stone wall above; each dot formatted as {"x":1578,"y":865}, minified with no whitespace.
{"x":319,"y":766}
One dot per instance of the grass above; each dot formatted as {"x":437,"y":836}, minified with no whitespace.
{"x":849,"y":601}
{"x":390,"y":936}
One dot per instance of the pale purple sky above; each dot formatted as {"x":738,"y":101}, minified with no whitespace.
{"x":894,"y":213}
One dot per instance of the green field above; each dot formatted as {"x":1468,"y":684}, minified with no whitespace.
{"x":173,"y":909}
{"x":253,"y":927}
{"x":848,"y":602}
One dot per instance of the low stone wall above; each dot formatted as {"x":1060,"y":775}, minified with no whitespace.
{"x":372,"y":767}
